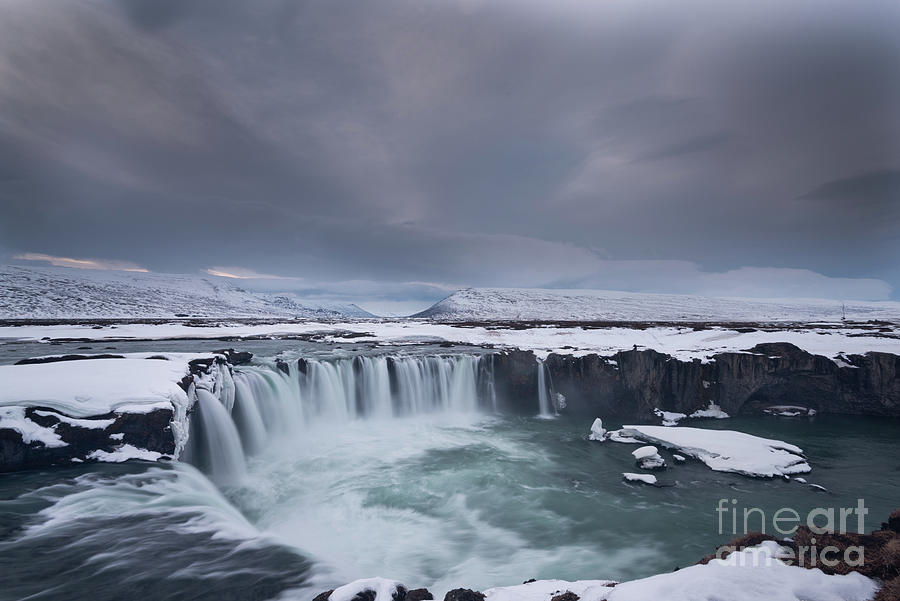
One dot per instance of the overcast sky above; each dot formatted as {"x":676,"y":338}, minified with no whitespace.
{"x":399,"y":149}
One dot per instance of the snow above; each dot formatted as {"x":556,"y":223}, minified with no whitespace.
{"x":534,"y":304}
{"x":91,"y":424}
{"x":669,"y":418}
{"x":750,"y":575}
{"x":713,"y":412}
{"x":683,"y":343}
{"x":53,"y":292}
{"x":382,"y":587}
{"x":124,"y":453}
{"x":801,"y":480}
{"x":14,"y":418}
{"x":644,"y":452}
{"x":678,"y":458}
{"x":543,"y":590}
{"x":98,"y":386}
{"x":725,"y":450}
{"x":645,"y":478}
{"x":598,"y":432}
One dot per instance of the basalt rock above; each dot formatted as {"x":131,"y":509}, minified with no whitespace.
{"x":463,"y":594}
{"x":631,"y":384}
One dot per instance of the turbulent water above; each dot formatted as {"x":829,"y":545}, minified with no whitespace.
{"x":321,"y":472}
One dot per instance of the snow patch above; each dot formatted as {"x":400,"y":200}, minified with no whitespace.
{"x":383,"y":588}
{"x":543,"y":590}
{"x":14,"y":418}
{"x":124,"y":453}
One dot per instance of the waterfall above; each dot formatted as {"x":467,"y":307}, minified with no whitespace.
{"x":272,"y":400}
{"x":217,"y":446}
{"x":545,"y":405}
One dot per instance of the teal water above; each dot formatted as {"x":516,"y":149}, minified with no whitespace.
{"x":442,"y":501}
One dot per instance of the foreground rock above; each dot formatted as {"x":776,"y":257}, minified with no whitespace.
{"x":76,"y":409}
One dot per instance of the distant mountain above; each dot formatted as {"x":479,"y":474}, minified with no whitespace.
{"x":534,"y":304}
{"x":62,"y":293}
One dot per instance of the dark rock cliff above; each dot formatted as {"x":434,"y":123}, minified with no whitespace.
{"x":630,"y":384}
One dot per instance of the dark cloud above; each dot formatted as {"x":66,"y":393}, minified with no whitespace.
{"x":458,"y":143}
{"x":880,"y":187}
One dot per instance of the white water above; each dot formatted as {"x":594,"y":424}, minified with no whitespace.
{"x":388,"y":463}
{"x":545,"y":406}
{"x":274,"y":402}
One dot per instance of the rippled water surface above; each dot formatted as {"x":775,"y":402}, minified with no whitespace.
{"x":439,"y":501}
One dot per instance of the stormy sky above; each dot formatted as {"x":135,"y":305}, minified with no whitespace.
{"x":399,"y":149}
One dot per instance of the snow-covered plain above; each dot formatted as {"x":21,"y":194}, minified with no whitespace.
{"x":534,"y":304}
{"x":725,"y":450}
{"x":684,"y":343}
{"x":62,"y":293}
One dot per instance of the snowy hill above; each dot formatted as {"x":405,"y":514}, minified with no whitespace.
{"x":49,"y":292}
{"x":532,"y":304}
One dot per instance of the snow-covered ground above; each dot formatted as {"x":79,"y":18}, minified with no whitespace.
{"x":88,"y":387}
{"x":723,"y":450}
{"x":533,"y":304}
{"x":684,"y":343}
{"x":58,"y":292}
{"x":753,"y":574}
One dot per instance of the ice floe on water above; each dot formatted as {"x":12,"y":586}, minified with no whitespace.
{"x":648,"y":458}
{"x":669,"y":418}
{"x":711,"y":412}
{"x":722,"y":450}
{"x":598,"y":432}
{"x":645,"y":478}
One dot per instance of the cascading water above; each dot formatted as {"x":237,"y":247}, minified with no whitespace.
{"x":275,"y":400}
{"x":545,"y":404}
{"x":218,"y":445}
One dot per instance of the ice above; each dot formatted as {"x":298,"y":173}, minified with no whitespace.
{"x":713,"y":412}
{"x":724,"y":450}
{"x":598,"y":432}
{"x":644,"y":452}
{"x":669,"y":418}
{"x":645,"y":478}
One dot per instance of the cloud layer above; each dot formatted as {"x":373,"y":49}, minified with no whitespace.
{"x":637,"y":145}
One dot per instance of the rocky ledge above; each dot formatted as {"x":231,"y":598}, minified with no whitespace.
{"x":633,"y":384}
{"x":71,"y":409}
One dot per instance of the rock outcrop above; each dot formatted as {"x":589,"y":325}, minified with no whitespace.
{"x":35,"y":436}
{"x":631,"y":384}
